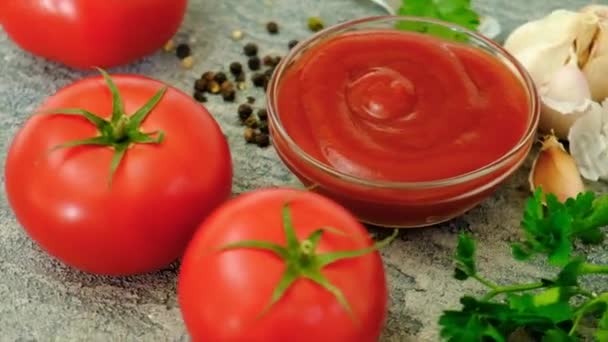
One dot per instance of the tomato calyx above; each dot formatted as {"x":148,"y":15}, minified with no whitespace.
{"x":121,"y":130}
{"x":302,"y":260}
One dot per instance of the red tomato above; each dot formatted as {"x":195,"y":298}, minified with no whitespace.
{"x":159,"y":194}
{"x":222,"y":294}
{"x":85,"y":33}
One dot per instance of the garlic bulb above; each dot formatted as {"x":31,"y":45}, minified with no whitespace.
{"x":555,"y":171}
{"x":565,"y":54}
{"x":589,"y":143}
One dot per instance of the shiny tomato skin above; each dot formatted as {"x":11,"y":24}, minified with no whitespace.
{"x":159,"y":194}
{"x":85,"y":33}
{"x":221,"y":295}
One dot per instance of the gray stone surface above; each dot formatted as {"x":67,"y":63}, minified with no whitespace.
{"x":43,"y":300}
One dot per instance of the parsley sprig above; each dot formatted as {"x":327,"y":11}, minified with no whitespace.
{"x":455,"y":11}
{"x":552,"y":309}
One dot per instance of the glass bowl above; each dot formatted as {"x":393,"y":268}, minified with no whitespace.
{"x":391,"y":203}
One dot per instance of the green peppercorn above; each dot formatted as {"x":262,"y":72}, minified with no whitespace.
{"x":250,"y":49}
{"x":262,"y":140}
{"x":263,"y":114}
{"x":244,"y":111}
{"x":315,"y":24}
{"x":292,"y":44}
{"x":220,"y":77}
{"x":182,"y":51}
{"x":236,"y":68}
{"x":272,"y":27}
{"x":200,"y":96}
{"x":201,"y":84}
{"x":254,"y":63}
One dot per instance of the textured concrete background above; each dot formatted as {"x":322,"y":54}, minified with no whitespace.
{"x":43,"y":300}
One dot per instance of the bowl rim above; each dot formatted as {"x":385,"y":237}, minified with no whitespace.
{"x":496,"y":48}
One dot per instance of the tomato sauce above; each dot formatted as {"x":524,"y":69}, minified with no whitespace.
{"x":402,"y":106}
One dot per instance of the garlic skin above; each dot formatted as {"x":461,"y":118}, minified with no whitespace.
{"x":589,"y":143}
{"x":555,"y":171}
{"x":565,"y":54}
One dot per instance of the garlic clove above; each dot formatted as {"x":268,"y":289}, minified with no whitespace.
{"x":588,"y":139}
{"x":555,"y":171}
{"x":596,"y":67}
{"x":565,"y":98}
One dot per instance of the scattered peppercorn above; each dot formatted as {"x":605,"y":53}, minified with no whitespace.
{"x":268,"y":60}
{"x":183,"y":50}
{"x":169,"y":46}
{"x":209,"y":76}
{"x":236,"y":68}
{"x":201,"y":84}
{"x":241,"y":85}
{"x":240,"y":77}
{"x":268,"y":73}
{"x":262,"y":140}
{"x":259,"y":79}
{"x":250,"y":99}
{"x":244,"y":111}
{"x":250,"y":49}
{"x":263,"y":114}
{"x":315,"y":24}
{"x":272,"y":27}
{"x":292,"y":44}
{"x":213,"y":87}
{"x":227,"y":86}
{"x":220,"y":77}
{"x":229,"y":95}
{"x":188,"y":62}
{"x":237,"y":35}
{"x":200,"y":96}
{"x":251,"y":121}
{"x":263,"y":127}
{"x":250,"y":135}
{"x":254,"y":63}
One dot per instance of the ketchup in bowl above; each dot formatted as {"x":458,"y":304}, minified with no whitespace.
{"x":403,"y":128}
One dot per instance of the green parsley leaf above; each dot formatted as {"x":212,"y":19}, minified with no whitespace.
{"x":454,"y":11}
{"x":465,"y":258}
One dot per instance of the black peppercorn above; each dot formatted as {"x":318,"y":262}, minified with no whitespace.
{"x":229,"y":95}
{"x":236,"y":68}
{"x":220,"y":77}
{"x":292,"y":44}
{"x":263,"y":127}
{"x":250,"y":49}
{"x":272,"y":27}
{"x":250,"y":99}
{"x":227,"y":86}
{"x":182,"y":51}
{"x":268,"y":73}
{"x":200,"y":96}
{"x":201,"y":84}
{"x":263,"y":114}
{"x":209,"y":76}
{"x":262,"y":140}
{"x":244,"y":111}
{"x":268,"y":60}
{"x":259,"y":79}
{"x":254,"y":63}
{"x":240,"y":77}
